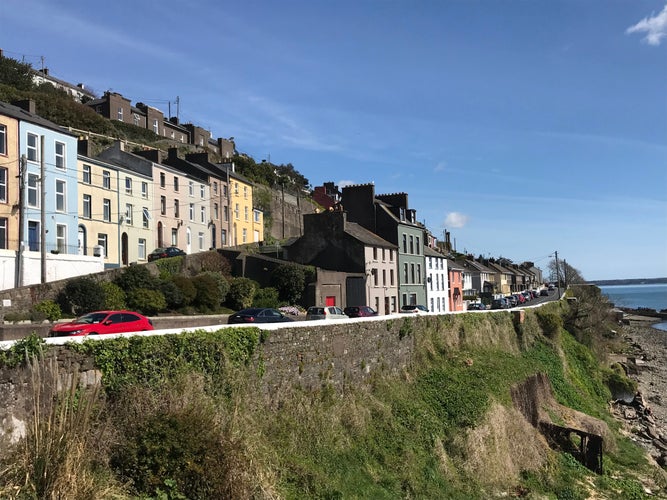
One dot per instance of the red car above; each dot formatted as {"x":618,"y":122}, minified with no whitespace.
{"x":102,"y":322}
{"x":360,"y":311}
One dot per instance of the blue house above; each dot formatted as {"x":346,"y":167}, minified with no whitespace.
{"x":49,"y":183}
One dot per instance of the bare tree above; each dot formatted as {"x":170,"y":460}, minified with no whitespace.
{"x":565,"y":273}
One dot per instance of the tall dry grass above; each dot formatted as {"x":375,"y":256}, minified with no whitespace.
{"x":58,"y":456}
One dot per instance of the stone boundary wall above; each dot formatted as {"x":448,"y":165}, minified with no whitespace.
{"x":310,"y":356}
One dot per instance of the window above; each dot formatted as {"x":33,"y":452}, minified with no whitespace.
{"x":106,"y":179}
{"x":142,"y":248}
{"x":383,"y":255}
{"x":405,"y":272}
{"x":225,"y":211}
{"x":128,"y":185}
{"x":236,"y":188}
{"x":102,"y":240}
{"x":391,"y":255}
{"x":223,"y":237}
{"x":33,"y":147}
{"x":412,"y":245}
{"x":174,"y":237}
{"x":3,"y":232}
{"x":128,"y":213}
{"x":215,"y":188}
{"x":256,"y":214}
{"x":61,"y":238}
{"x":202,"y":191}
{"x":192,"y":212}
{"x":245,"y":213}
{"x":201,"y":241}
{"x":419,"y":273}
{"x":374,"y":273}
{"x":175,"y":183}
{"x":3,"y":185}
{"x":156,"y":126}
{"x":375,"y":253}
{"x":60,"y":196}
{"x":87,"y":204}
{"x":145,"y":216}
{"x":202,"y":214}
{"x":144,"y":189}
{"x":215,"y":211}
{"x":120,"y":113}
{"x":245,"y":235}
{"x":191,"y":188}
{"x":405,"y":243}
{"x":224,"y":190}
{"x":176,"y":210}
{"x":391,"y":277}
{"x":33,"y":191}
{"x":412,"y":273}
{"x":236,"y":211}
{"x":245,"y":191}
{"x":384,"y":277}
{"x":162,"y":180}
{"x":3,"y":140}
{"x":86,"y":174}
{"x":107,"y":210}
{"x":60,"y":156}
{"x":163,"y":205}
{"x":417,"y":247}
{"x":135,"y":119}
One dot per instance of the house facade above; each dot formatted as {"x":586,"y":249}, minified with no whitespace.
{"x":437,"y":281}
{"x":455,"y":275}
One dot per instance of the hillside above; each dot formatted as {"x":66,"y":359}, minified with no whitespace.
{"x":427,"y":407}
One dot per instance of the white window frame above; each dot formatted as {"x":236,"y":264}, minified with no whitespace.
{"x":106,"y":179}
{"x":128,"y":185}
{"x":106,"y":210}
{"x":86,"y":174}
{"x":191,"y":188}
{"x":192,"y":212}
{"x":128,"y":213}
{"x":201,"y":241}
{"x":202,"y":214}
{"x":33,"y":150}
{"x":61,"y":238}
{"x":87,"y":206}
{"x":60,"y":156}
{"x":3,"y":185}
{"x":103,"y":241}
{"x":144,"y":189}
{"x":33,"y":189}
{"x":3,"y":140}
{"x":141,"y":248}
{"x":61,"y":196}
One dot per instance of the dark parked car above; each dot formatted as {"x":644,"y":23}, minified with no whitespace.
{"x":258,"y":315}
{"x":500,"y":304}
{"x":163,"y":253}
{"x":513,"y":301}
{"x":102,"y":322}
{"x":476,"y":306}
{"x":544,"y":292}
{"x":360,"y":311}
{"x":415,"y":309}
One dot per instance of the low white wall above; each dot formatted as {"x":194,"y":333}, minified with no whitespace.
{"x":58,"y":267}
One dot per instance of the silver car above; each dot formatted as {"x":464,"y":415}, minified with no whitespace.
{"x":325,"y":312}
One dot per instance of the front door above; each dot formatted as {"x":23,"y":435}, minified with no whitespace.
{"x":124,"y":256}
{"x":330,"y":300}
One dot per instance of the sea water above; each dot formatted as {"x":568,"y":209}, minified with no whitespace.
{"x":635,"y":296}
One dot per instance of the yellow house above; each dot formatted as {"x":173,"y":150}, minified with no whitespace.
{"x":9,"y":172}
{"x":246,"y":224}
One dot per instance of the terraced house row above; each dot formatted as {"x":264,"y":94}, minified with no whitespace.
{"x":109,"y":210}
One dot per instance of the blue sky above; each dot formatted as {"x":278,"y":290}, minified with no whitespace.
{"x":522,"y":127}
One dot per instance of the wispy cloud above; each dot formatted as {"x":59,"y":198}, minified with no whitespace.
{"x":440,"y":166}
{"x":456,"y":220}
{"x":344,"y":183}
{"x":655,"y":28}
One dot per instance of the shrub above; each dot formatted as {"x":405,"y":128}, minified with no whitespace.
{"x":172,"y":294}
{"x":134,"y":277}
{"x":266,"y":297}
{"x":146,"y":301}
{"x":114,"y":296}
{"x":289,"y":280}
{"x":215,"y":262}
{"x":550,"y":322}
{"x":49,"y":309}
{"x":81,"y":296}
{"x":187,"y":288}
{"x":241,"y":293}
{"x":211,"y":289}
{"x":169,"y":267}
{"x":16,"y":316}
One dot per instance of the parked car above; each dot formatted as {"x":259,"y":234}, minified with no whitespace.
{"x":258,"y":315}
{"x":102,"y":322}
{"x":520,"y":299}
{"x":325,"y":312}
{"x":360,"y":311}
{"x":527,"y":295}
{"x":512,"y":300}
{"x":544,"y":292}
{"x":415,"y":309}
{"x":501,"y":303}
{"x":476,"y":306}
{"x":162,"y":253}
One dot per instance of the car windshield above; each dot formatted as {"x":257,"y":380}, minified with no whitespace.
{"x":91,"y":318}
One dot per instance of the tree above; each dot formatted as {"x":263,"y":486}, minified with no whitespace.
{"x":565,"y":274}
{"x":15,"y":74}
{"x":241,"y":293}
{"x":289,"y":280}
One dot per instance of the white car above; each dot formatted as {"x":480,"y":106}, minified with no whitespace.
{"x":325,"y":312}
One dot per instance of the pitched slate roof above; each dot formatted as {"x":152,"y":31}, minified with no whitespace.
{"x":365,"y":236}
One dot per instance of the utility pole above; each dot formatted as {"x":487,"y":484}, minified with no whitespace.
{"x":557,"y":274}
{"x":565,"y":272}
{"x":18,"y":279}
{"x":42,"y":202}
